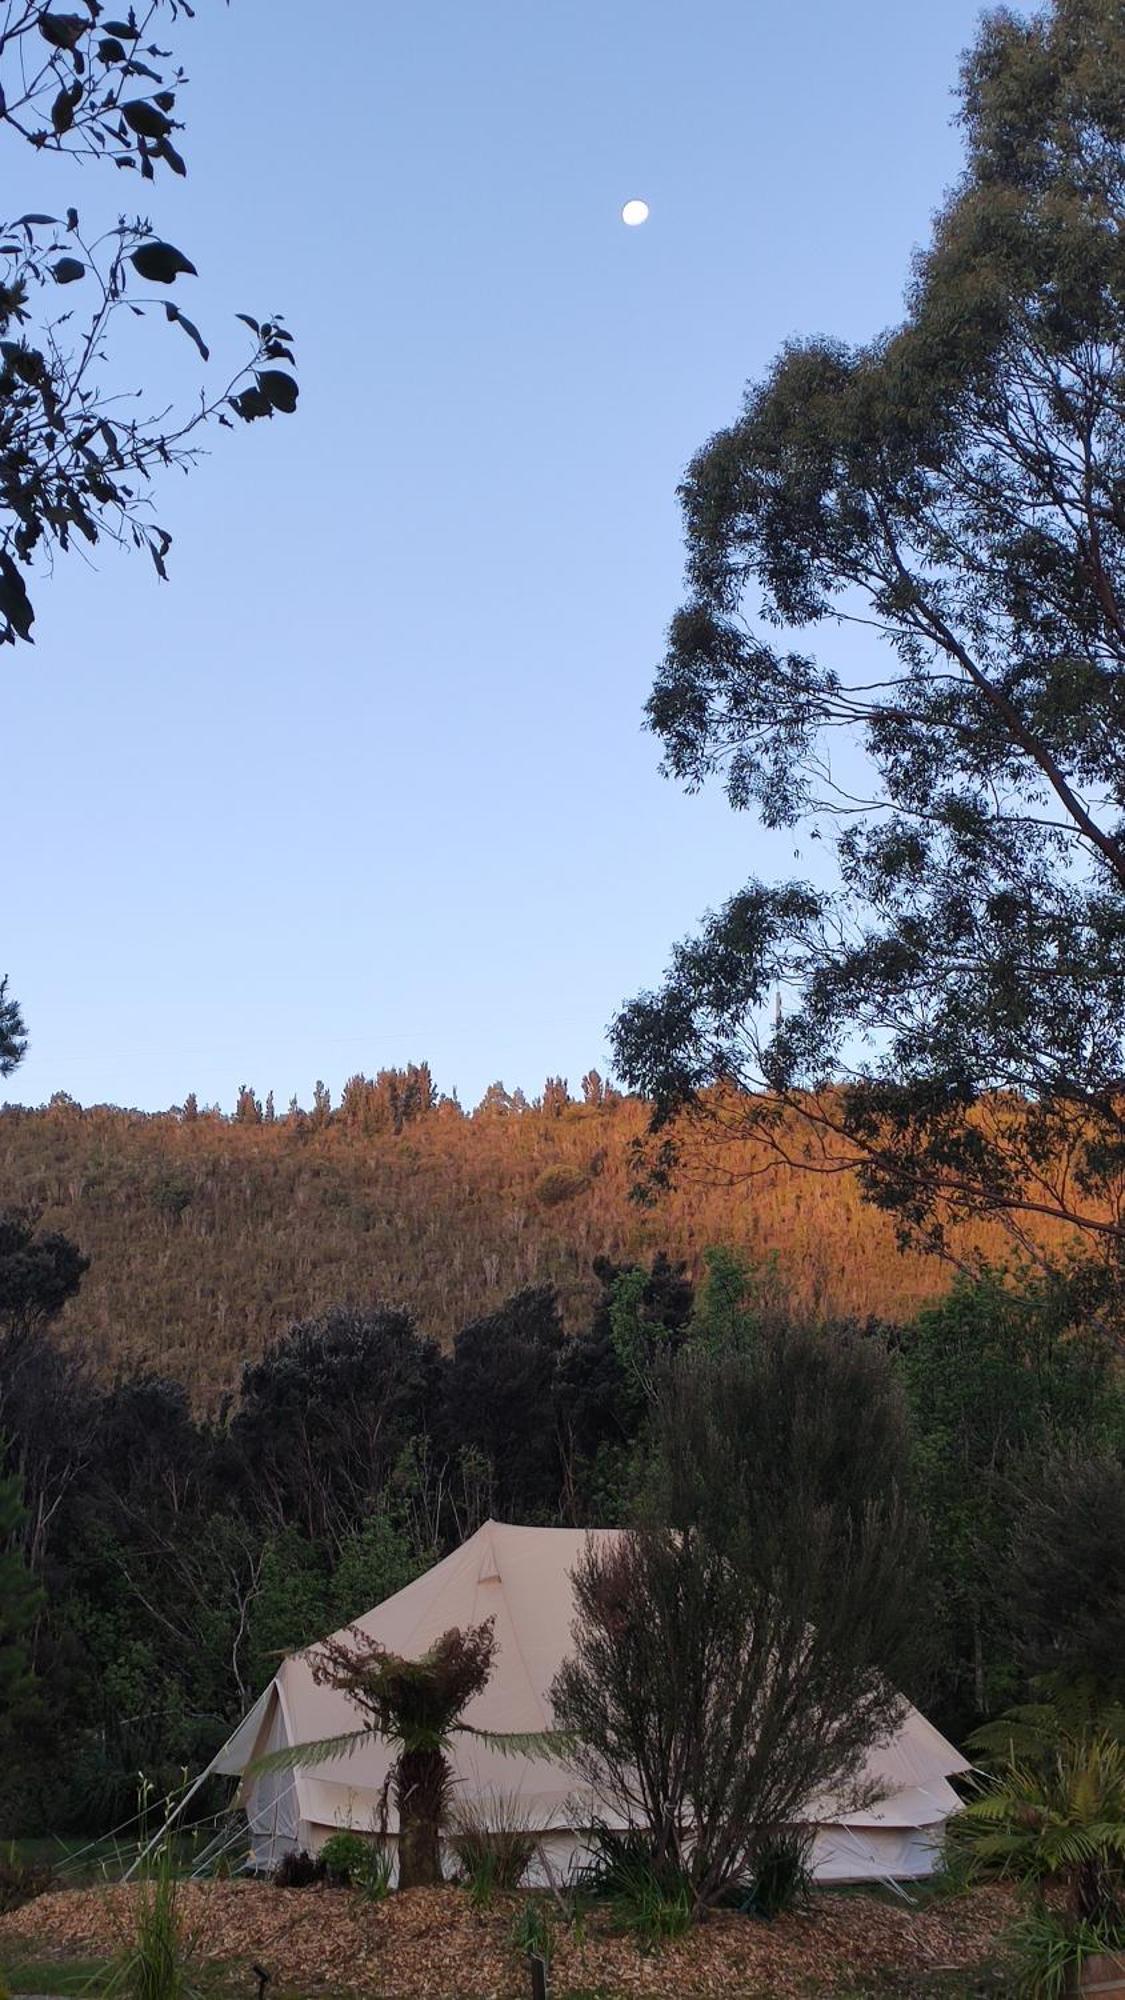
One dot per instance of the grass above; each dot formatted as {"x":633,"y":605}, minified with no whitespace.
{"x":33,"y":1976}
{"x":78,"y":1863}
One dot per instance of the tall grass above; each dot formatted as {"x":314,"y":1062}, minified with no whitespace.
{"x":493,"y":1840}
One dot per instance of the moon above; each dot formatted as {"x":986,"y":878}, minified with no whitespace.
{"x":634,"y":213}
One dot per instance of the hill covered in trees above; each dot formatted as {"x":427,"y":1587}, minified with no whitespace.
{"x":208,"y":1234}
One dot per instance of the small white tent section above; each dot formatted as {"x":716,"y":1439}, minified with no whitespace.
{"x":520,"y":1577}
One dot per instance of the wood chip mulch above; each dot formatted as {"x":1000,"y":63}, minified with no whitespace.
{"x":430,"y":1944}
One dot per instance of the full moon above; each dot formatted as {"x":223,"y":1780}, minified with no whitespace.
{"x":634,"y":213}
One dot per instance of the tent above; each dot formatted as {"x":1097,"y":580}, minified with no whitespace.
{"x":520,"y":1577}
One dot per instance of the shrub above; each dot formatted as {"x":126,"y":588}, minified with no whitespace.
{"x":532,"y":1932}
{"x":298,"y":1870}
{"x":558,"y":1184}
{"x":354,"y":1861}
{"x":493,"y":1842}
{"x":342,"y":1857}
{"x":652,"y":1898}
{"x":21,"y":1881}
{"x":781,"y":1877}
{"x":155,"y":1962}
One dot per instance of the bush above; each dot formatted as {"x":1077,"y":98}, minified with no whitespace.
{"x":156,"y":1962}
{"x":355,"y":1861}
{"x":531,"y":1930}
{"x":781,"y":1877}
{"x":1050,"y":1953}
{"x":298,"y":1870}
{"x":652,"y":1899}
{"x":21,"y":1881}
{"x":493,"y":1842}
{"x":558,"y":1184}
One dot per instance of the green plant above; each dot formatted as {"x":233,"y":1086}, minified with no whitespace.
{"x":298,"y":1870}
{"x":780,"y":1877}
{"x":155,"y":1962}
{"x":532,"y":1930}
{"x":355,"y":1861}
{"x":493,"y":1842}
{"x":1057,"y":1827}
{"x":21,"y":1880}
{"x":342,"y":1857}
{"x":1051,"y":1817}
{"x":1050,"y":1953}
{"x":652,"y":1899}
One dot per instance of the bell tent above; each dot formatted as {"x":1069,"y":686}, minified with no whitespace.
{"x":521,"y":1578}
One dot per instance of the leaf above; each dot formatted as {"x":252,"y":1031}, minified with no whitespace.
{"x":126,"y":30}
{"x":299,"y":1756}
{"x":110,"y":50}
{"x":28,"y":221}
{"x":72,"y":219}
{"x":161,"y":263}
{"x":550,"y":1743}
{"x":158,"y":547}
{"x":247,"y":321}
{"x":63,"y":31}
{"x":68,"y":270}
{"x":62,"y":112}
{"x":144,"y":119}
{"x":279,"y":389}
{"x":15,"y":604}
{"x":250,"y":404}
{"x":175,"y":160}
{"x":166,"y":100}
{"x":189,"y":328}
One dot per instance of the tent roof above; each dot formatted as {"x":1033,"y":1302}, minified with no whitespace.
{"x":520,"y":1577}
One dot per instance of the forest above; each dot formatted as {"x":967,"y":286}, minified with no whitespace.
{"x":175,"y":1554}
{"x":209,"y":1232}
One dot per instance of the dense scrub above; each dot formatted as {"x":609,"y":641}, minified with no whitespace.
{"x":208,"y":1235}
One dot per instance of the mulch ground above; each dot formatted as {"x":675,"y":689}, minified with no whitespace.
{"x":430,"y":1944}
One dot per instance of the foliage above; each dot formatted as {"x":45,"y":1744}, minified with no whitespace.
{"x":72,"y":463}
{"x":499,"y":1396}
{"x":21,"y":1880}
{"x":781,"y":1877}
{"x":298,"y":1870}
{"x":325,"y":1413}
{"x":493,"y":1839}
{"x":355,"y":1861}
{"x":652,"y":1897}
{"x":1055,"y":1824}
{"x":739,"y":1651}
{"x":415,"y":1705}
{"x":13,"y":1034}
{"x":1050,"y":1954}
{"x":39,"y":1272}
{"x":998,"y":1379}
{"x":942,"y":508}
{"x":532,"y":1930}
{"x":155,"y":1962}
{"x":21,"y":1600}
{"x":283,"y":1223}
{"x":1065,"y":1574}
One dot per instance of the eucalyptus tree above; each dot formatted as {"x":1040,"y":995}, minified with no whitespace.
{"x":904,"y":635}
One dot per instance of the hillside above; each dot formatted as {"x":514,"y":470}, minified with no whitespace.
{"x":208,"y":1235}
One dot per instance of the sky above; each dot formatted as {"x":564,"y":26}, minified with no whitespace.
{"x":367,"y":781}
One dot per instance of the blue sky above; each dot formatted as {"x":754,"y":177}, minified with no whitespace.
{"x":367,"y":781}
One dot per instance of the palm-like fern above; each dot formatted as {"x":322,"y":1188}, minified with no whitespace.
{"x":1055,"y":1822}
{"x":416,"y":1706}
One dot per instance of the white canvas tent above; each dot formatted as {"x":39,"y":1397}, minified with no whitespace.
{"x":520,"y":1577}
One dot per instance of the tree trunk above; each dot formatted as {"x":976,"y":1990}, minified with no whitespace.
{"x":421,"y":1789}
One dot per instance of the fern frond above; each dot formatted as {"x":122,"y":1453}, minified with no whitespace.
{"x":302,"y":1756}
